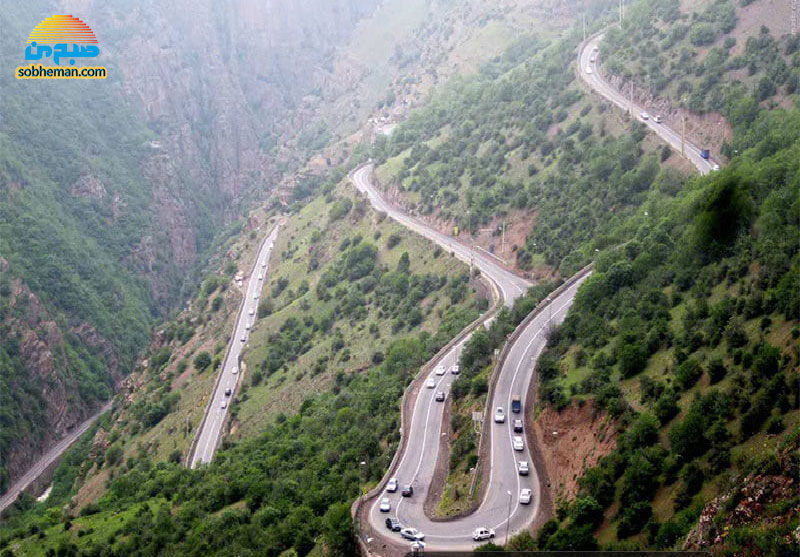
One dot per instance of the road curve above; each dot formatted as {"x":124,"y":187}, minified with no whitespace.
{"x":418,"y":461}
{"x":511,"y":286}
{"x":48,"y":459}
{"x":211,"y":427}
{"x":588,"y":69}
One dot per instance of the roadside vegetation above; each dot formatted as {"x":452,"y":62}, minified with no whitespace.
{"x":702,"y":61}
{"x":344,"y":282}
{"x":522,"y":140}
{"x":688,"y":336}
{"x":353,"y":306}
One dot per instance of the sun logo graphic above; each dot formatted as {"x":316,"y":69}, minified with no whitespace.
{"x":61,"y":37}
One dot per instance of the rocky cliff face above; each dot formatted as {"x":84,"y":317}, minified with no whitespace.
{"x":200,"y":92}
{"x":42,"y":348}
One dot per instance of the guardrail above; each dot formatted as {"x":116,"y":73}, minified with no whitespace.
{"x":413,"y":387}
{"x":512,"y":338}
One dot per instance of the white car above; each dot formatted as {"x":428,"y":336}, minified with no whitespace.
{"x":499,"y":416}
{"x":223,"y":404}
{"x":244,"y":338}
{"x":256,"y":295}
{"x":517,"y":442}
{"x":455,"y":370}
{"x":247,"y":326}
{"x":386,"y":506}
{"x":645,"y":116}
{"x":260,"y":277}
{"x":440,"y":396}
{"x":412,"y":534}
{"x":596,"y":48}
{"x":482,"y":534}
{"x":391,"y":485}
{"x":657,"y":119}
{"x":440,"y":370}
{"x":525,"y":496}
{"x":417,"y":545}
{"x":588,"y":69}
{"x":235,"y":370}
{"x":430,"y":383}
{"x":715,"y":167}
{"x":523,"y":468}
{"x":591,"y":59}
{"x":251,"y":312}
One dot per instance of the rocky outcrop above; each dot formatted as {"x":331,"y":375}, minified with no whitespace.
{"x":42,"y":352}
{"x":754,"y":495}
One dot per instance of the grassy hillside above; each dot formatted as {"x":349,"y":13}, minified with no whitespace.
{"x":344,"y":282}
{"x":723,"y":57}
{"x":709,"y":58}
{"x":688,"y":335}
{"x":522,"y":141}
{"x":353,"y":305}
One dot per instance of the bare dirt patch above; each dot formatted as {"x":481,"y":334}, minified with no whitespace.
{"x":571,"y":441}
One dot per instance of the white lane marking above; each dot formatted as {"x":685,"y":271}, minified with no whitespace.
{"x":418,"y":402}
{"x":514,"y":380}
{"x":212,"y":429}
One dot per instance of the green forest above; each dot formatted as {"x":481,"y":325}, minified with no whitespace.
{"x":686,"y":338}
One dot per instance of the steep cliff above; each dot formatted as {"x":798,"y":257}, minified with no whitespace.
{"x":112,"y":191}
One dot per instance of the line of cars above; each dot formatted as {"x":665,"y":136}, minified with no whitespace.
{"x":392,"y":486}
{"x":248,"y":323}
{"x":517,"y":443}
{"x":479,"y":534}
{"x":393,"y":524}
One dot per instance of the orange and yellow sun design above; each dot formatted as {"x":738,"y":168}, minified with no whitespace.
{"x":62,"y":29}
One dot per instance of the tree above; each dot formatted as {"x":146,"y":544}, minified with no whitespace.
{"x":572,"y":538}
{"x":632,"y":359}
{"x":726,"y":209}
{"x":404,"y":264}
{"x":644,"y":431}
{"x":113,"y":455}
{"x":337,"y":527}
{"x":265,"y":308}
{"x":687,"y":439}
{"x":633,"y":518}
{"x":586,"y":510}
{"x":202,"y":361}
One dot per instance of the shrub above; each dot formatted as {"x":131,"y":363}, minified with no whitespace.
{"x":202,"y":361}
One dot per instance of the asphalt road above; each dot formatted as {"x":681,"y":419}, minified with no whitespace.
{"x":211,"y":428}
{"x":48,"y":459}
{"x":418,"y":462}
{"x":588,"y":60}
{"x":511,"y":286}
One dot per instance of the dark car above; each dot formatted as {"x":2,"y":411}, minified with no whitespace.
{"x":393,"y":524}
{"x":228,"y":392}
{"x":408,"y":491}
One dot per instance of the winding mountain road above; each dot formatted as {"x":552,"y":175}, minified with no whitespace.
{"x":211,"y":427}
{"x":589,"y":70}
{"x":500,"y":510}
{"x":511,"y":286}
